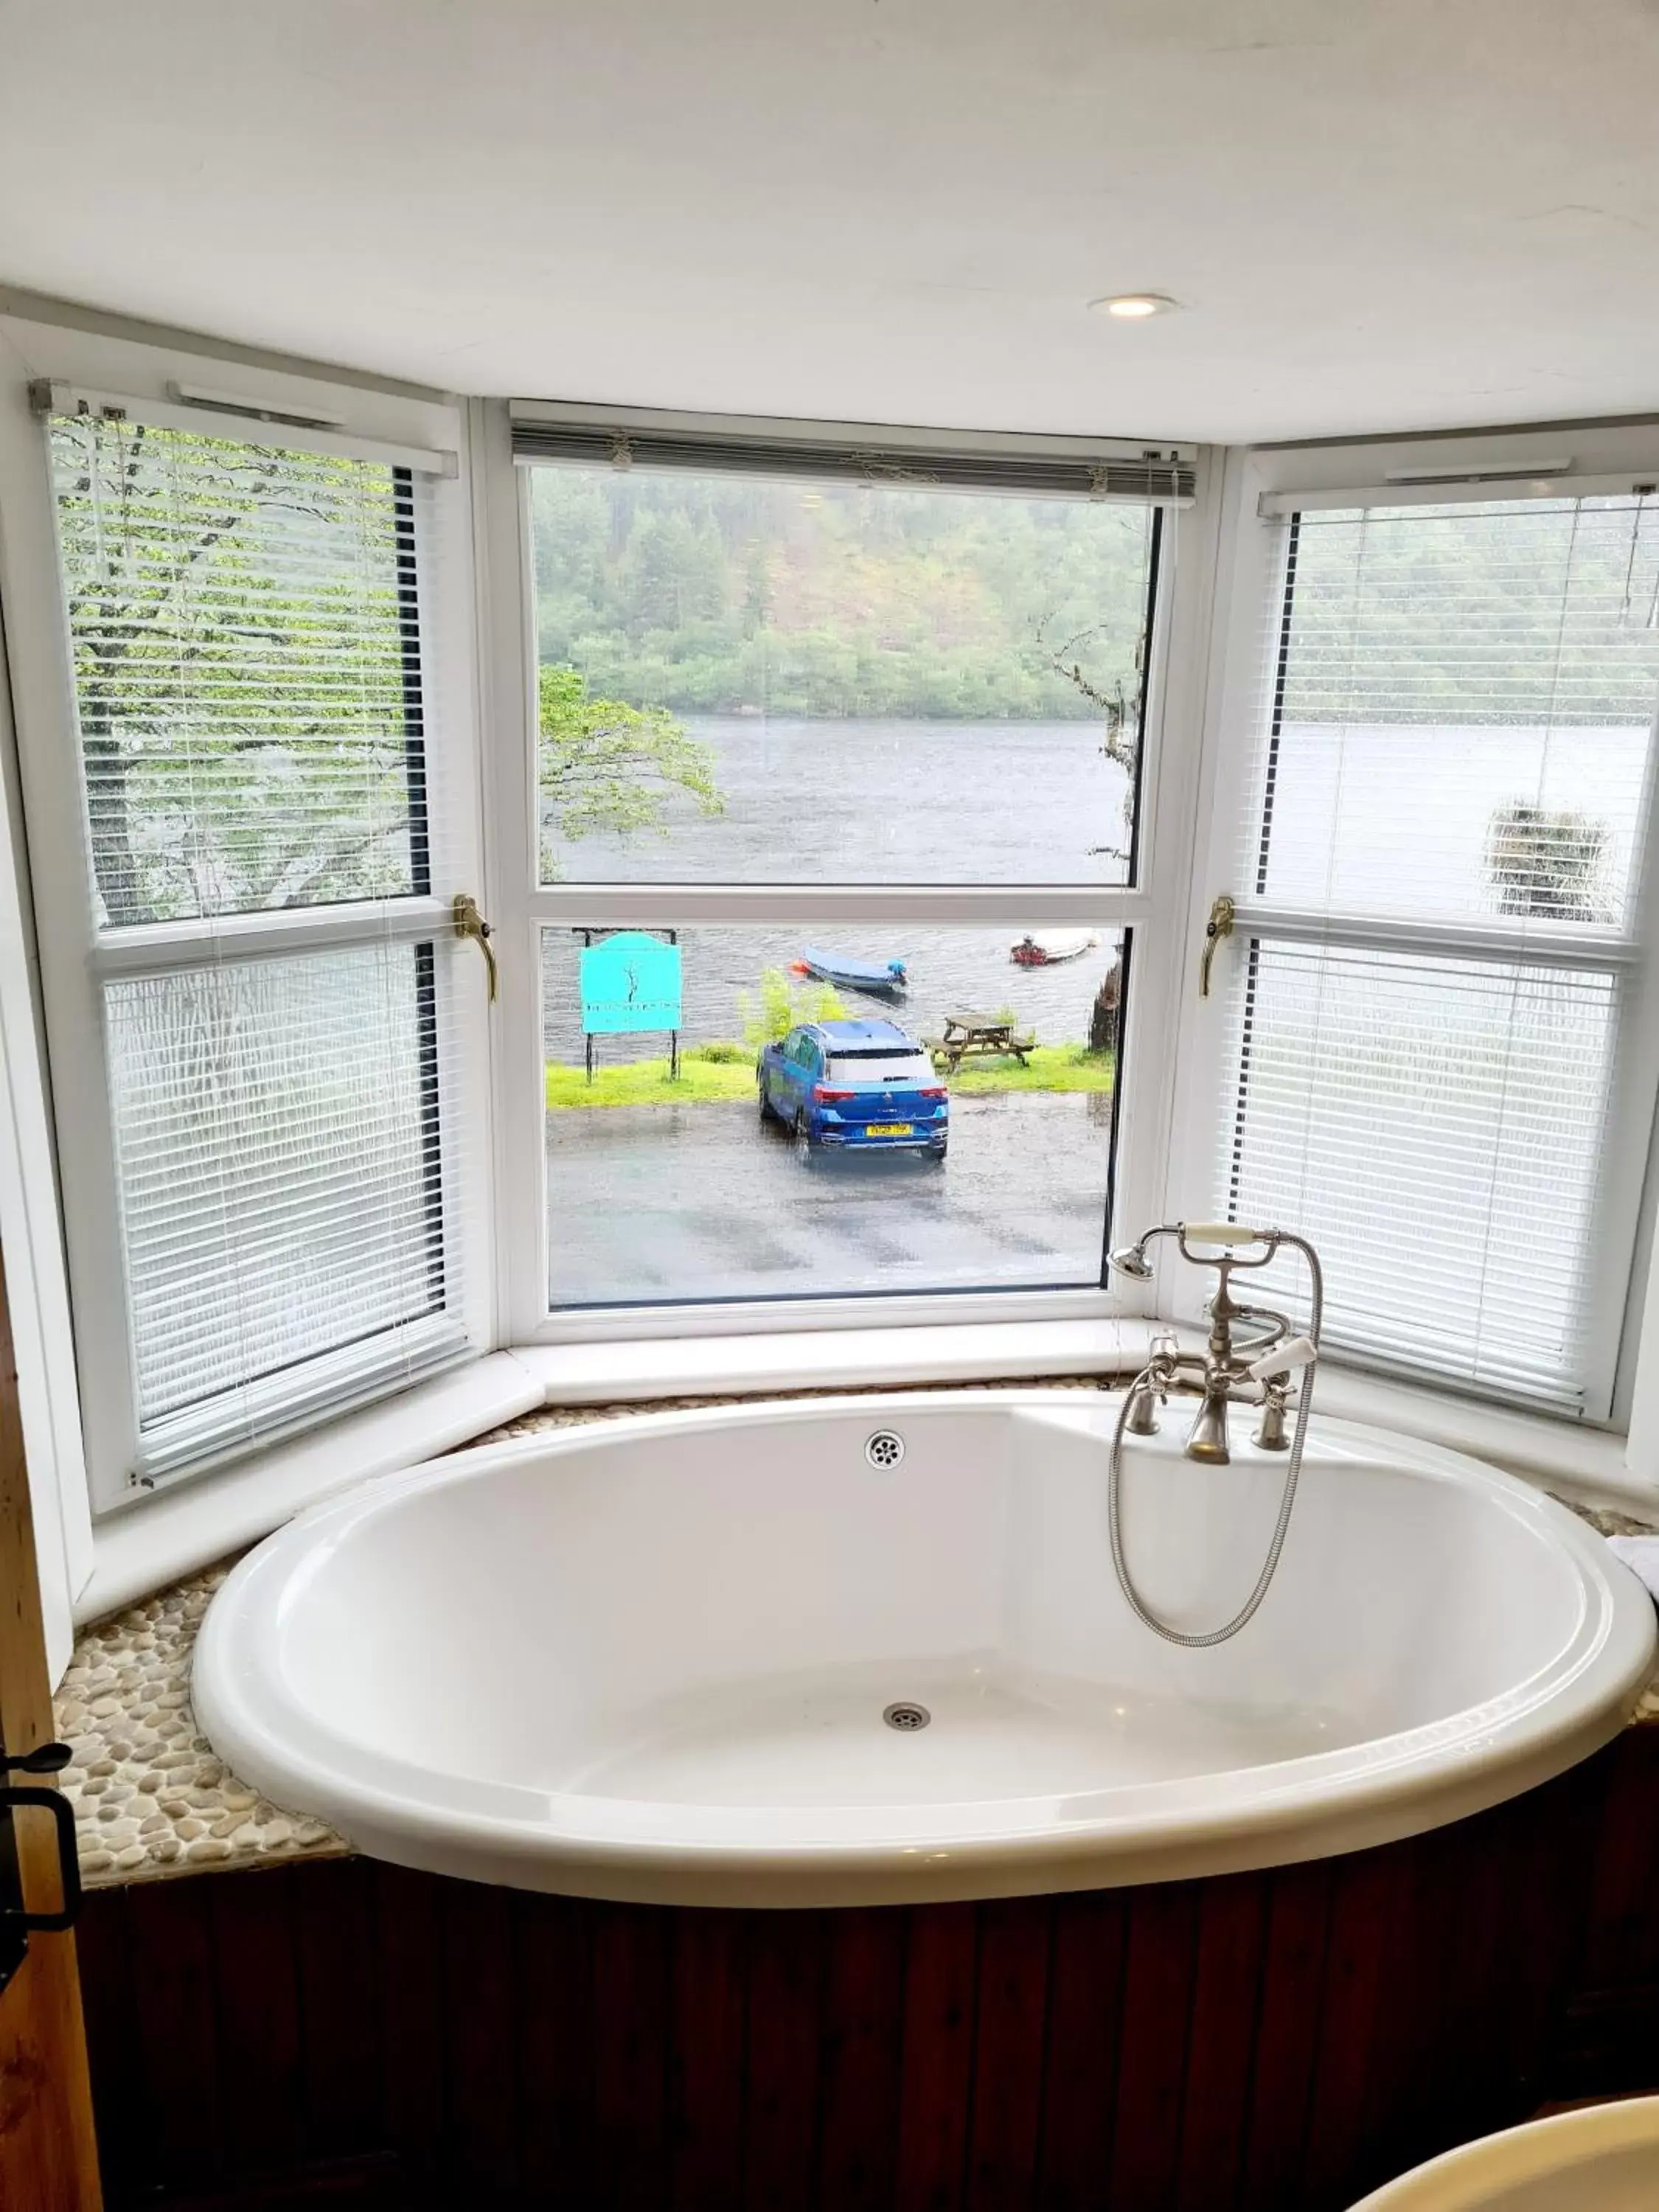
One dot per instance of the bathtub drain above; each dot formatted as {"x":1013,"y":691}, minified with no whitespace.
{"x":905,"y":1717}
{"x":886,"y":1449}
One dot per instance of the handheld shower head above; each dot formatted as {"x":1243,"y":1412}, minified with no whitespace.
{"x":1131,"y":1260}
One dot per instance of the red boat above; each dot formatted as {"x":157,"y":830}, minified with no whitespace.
{"x":1054,"y":946}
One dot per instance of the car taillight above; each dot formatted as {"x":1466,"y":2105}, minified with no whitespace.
{"x":932,"y":1094}
{"x":825,"y":1097}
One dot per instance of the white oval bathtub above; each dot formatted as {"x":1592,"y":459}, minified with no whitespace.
{"x":650,"y":1658}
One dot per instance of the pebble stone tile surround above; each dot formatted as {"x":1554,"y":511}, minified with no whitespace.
{"x":151,"y":1798}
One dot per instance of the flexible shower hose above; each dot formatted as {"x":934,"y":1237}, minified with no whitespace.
{"x":1245,"y":1613}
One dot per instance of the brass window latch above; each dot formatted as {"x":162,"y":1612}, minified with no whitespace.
{"x":469,"y":922}
{"x":1219,"y":925}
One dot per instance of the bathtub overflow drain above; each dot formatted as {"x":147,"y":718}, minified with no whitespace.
{"x":905,"y":1717}
{"x":885,"y":1449}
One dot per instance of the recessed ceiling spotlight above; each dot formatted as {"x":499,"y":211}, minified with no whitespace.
{"x":1136,"y":306}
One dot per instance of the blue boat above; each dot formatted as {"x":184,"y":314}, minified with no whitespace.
{"x":880,"y":978}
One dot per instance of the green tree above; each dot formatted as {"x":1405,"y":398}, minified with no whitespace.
{"x":608,"y":767}
{"x":781,"y":1004}
{"x":675,"y":571}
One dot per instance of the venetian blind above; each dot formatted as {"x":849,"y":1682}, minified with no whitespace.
{"x":279,"y":1133}
{"x":1440,"y":881}
{"x":1033,"y":467}
{"x":244,"y":624}
{"x":245,"y":628}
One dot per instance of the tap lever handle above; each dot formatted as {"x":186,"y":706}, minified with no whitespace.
{"x":1284,"y":1359}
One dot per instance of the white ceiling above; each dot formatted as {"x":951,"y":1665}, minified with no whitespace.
{"x":1380,"y":213}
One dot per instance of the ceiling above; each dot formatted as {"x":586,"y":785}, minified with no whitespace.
{"x":1421,"y":214}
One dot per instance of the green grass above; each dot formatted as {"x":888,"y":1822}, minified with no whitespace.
{"x":703,"y":1082}
{"x":1048,"y":1067}
{"x":645,"y":1083}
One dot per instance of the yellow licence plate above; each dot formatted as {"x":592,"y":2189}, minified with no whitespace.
{"x":888,"y":1129}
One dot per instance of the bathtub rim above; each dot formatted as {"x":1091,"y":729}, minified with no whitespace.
{"x":1592,"y":1683}
{"x":1513,"y":2157}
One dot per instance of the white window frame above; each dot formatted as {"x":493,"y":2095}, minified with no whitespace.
{"x":1485,"y":466}
{"x":74,"y":961}
{"x":521,"y":909}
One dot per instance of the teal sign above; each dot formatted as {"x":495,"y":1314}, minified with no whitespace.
{"x":630,"y":981}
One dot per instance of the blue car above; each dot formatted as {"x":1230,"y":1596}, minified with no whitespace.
{"x":855,"y":1086}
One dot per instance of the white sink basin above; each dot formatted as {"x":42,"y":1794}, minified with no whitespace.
{"x":652,"y":1658}
{"x":1604,"y":2160}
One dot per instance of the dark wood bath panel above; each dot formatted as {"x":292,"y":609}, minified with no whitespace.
{"x":350,"y":2033}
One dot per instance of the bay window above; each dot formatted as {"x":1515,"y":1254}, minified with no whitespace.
{"x":900,"y":773}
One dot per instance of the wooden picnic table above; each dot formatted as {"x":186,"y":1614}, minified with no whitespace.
{"x":978,"y":1036}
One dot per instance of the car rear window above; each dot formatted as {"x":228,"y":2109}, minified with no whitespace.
{"x":881,"y":1067}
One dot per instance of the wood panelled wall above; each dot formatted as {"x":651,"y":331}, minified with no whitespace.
{"x":352,"y":2033}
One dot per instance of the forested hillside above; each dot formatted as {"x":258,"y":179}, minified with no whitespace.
{"x":722,"y":595}
{"x":727,"y":596}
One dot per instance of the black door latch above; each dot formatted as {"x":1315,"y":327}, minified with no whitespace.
{"x":16,"y":1922}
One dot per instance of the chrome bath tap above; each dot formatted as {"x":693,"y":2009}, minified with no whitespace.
{"x":1268,"y":1359}
{"x":1248,"y":1344}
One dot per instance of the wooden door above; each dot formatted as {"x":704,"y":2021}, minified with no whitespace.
{"x":48,"y":2159}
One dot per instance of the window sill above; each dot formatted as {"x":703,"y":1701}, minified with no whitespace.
{"x":588,"y":1374}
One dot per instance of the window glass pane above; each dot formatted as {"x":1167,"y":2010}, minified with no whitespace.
{"x":277,"y":1135}
{"x":751,"y":681}
{"x":247,"y":672}
{"x":1465,"y":718}
{"x":1458,"y":1104}
{"x":958,"y":1164}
